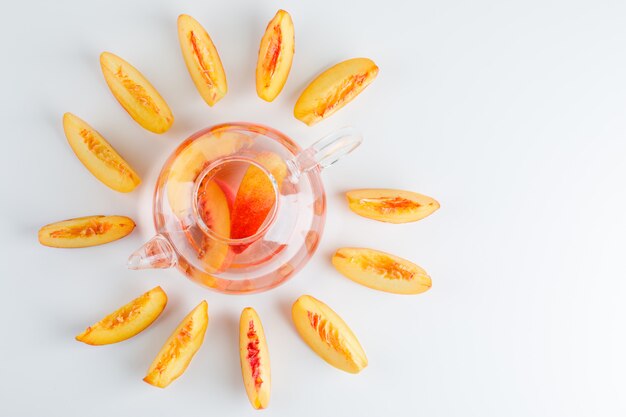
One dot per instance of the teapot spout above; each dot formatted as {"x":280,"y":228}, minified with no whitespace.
{"x":155,"y":253}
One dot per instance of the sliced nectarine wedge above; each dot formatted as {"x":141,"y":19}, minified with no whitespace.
{"x":202,"y":59}
{"x":333,"y":89}
{"x":179,"y":348}
{"x":328,"y":335}
{"x":127,"y":321}
{"x":392,"y":206}
{"x":98,"y":156}
{"x":135,"y":93}
{"x":85,"y":231}
{"x":255,"y":197}
{"x":190,"y":162}
{"x":275,"y":56}
{"x":255,"y":359}
{"x":213,"y":209}
{"x":381,"y":271}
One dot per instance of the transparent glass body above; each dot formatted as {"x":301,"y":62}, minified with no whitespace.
{"x":240,"y":207}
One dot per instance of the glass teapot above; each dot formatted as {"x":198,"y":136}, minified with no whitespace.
{"x":240,"y":207}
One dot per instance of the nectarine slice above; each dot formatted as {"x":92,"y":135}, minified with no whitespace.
{"x":392,"y":206}
{"x":190,"y":162}
{"x":275,"y":56}
{"x":135,"y":93}
{"x":256,"y":197}
{"x":98,"y":156}
{"x":179,"y":348}
{"x":214,"y":211}
{"x":202,"y":60}
{"x":255,"y":359}
{"x":85,"y":231}
{"x":328,"y":335}
{"x":381,"y":271}
{"x":127,"y":321}
{"x":333,"y":89}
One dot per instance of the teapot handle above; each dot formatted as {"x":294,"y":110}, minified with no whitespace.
{"x":325,"y":152}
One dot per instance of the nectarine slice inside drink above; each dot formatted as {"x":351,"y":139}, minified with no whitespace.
{"x":256,"y":196}
{"x":392,"y":206}
{"x":135,"y":93}
{"x":98,"y":156}
{"x":202,"y":60}
{"x":255,"y":359}
{"x":213,"y":209}
{"x":275,"y":56}
{"x":127,"y":321}
{"x":328,"y":335}
{"x":85,"y":231}
{"x":179,"y":348}
{"x":381,"y":271}
{"x":333,"y":89}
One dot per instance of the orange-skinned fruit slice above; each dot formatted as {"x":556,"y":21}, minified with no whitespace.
{"x":328,"y":335}
{"x":190,"y":162}
{"x":391,"y":206}
{"x":202,"y":60}
{"x":127,"y":321}
{"x":214,"y":210}
{"x":275,"y":56}
{"x":85,"y":231}
{"x":135,"y":93}
{"x":333,"y":89}
{"x":179,"y":348}
{"x":98,"y":156}
{"x":381,"y":271}
{"x":256,"y":197}
{"x":255,"y":359}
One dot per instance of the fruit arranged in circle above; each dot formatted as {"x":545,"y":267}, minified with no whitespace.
{"x":255,"y":360}
{"x":381,"y":271}
{"x":333,"y":89}
{"x":391,"y":206}
{"x":256,"y":197}
{"x":190,"y":162}
{"x":202,"y":60}
{"x":85,"y":231}
{"x":213,"y":208}
{"x":127,"y":321}
{"x":328,"y":335}
{"x":179,"y":349}
{"x":98,"y":156}
{"x":275,"y":56}
{"x":135,"y":93}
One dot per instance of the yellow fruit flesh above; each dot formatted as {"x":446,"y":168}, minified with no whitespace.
{"x":202,"y":60}
{"x":127,"y":321}
{"x":275,"y":56}
{"x":98,"y":156}
{"x":391,"y":206}
{"x":179,"y":348}
{"x":381,"y":271}
{"x":334,"y":88}
{"x":255,"y":361}
{"x":328,"y":335}
{"x":135,"y":93}
{"x":85,"y":231}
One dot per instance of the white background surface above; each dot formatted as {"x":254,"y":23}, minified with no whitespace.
{"x":511,"y":113}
